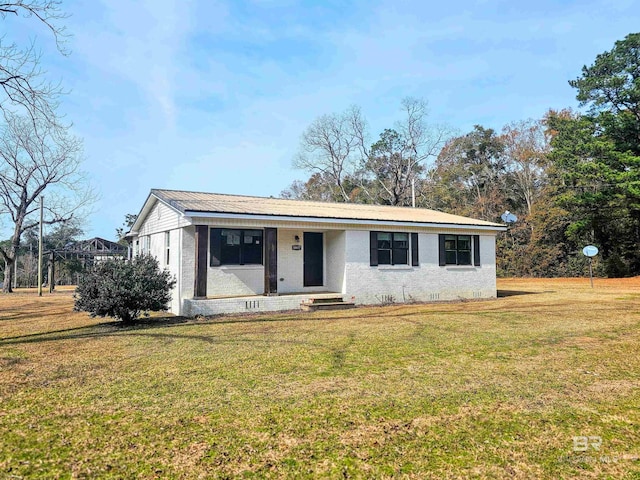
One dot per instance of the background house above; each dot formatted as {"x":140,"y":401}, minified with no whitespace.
{"x":234,"y":253}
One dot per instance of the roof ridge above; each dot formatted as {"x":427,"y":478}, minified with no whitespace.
{"x":297,"y":200}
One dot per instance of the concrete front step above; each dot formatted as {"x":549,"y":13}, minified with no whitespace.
{"x":315,"y":301}
{"x":311,"y":306}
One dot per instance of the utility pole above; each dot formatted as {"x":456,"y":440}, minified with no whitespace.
{"x":40,"y":248}
{"x":413,"y":192}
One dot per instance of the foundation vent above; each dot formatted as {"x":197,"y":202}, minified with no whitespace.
{"x":387,"y":299}
{"x":252,"y":304}
{"x":434,"y":296}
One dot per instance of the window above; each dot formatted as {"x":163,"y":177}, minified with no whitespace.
{"x":167,"y":247}
{"x":457,"y":249}
{"x":384,"y":248}
{"x":400,"y":252}
{"x":146,"y":245}
{"x":236,"y":247}
{"x":389,"y":248}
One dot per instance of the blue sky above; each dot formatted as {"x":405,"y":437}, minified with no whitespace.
{"x":214,"y":95}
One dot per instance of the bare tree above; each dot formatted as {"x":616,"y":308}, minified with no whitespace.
{"x":396,"y":160}
{"x":30,"y":267}
{"x":318,"y":188}
{"x":526,"y":145}
{"x":333,"y":145}
{"x":21,"y":76}
{"x":38,"y":157}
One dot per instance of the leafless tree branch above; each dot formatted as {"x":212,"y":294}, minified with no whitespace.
{"x":332,"y":146}
{"x":22,"y":82}
{"x":36,"y":159}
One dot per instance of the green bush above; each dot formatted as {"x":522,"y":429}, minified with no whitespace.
{"x":123,"y":289}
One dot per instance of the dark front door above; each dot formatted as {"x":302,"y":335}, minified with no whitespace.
{"x":313,"y":259}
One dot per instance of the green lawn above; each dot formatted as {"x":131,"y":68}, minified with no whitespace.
{"x":487,"y":389}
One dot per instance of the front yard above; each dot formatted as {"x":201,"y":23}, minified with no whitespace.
{"x":541,"y":383}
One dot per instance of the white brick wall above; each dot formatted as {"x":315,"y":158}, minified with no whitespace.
{"x":188,"y":258}
{"x":290,"y":262}
{"x":230,"y":280}
{"x":335,"y":242}
{"x":174,"y":265}
{"x":346,"y":271}
{"x":241,"y":305}
{"x":427,"y":282}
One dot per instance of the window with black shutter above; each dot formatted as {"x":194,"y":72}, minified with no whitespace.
{"x":392,"y":248}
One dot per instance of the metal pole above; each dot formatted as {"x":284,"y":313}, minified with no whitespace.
{"x":40,"y":248}
{"x":413,"y":193}
{"x":590,"y":272}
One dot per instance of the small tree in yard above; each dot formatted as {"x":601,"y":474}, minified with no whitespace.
{"x":123,"y":289}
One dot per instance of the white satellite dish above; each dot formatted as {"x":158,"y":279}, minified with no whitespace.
{"x":508,"y":217}
{"x":590,"y":251}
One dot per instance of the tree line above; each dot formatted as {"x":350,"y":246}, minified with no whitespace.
{"x":572,"y":178}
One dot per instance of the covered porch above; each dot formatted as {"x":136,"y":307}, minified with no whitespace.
{"x":291,"y":261}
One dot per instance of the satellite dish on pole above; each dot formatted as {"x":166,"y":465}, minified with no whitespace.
{"x":590,"y":251}
{"x":508,"y":217}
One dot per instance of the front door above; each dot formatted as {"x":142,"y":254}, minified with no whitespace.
{"x":313,"y":259}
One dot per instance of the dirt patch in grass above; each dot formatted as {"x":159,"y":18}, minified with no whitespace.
{"x":492,"y":389}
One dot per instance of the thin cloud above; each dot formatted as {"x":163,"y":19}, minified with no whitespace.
{"x":215,"y":94}
{"x":143,"y":43}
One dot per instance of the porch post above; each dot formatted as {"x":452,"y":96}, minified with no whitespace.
{"x":200,"y":284}
{"x":270,"y":261}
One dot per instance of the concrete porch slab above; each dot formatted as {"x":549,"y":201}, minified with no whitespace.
{"x":250,"y":304}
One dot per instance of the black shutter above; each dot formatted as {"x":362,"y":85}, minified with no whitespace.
{"x":373,"y":249}
{"x":200,"y":281}
{"x":415,"y":261}
{"x":441,"y":250}
{"x":215,"y":244}
{"x":476,"y":250}
{"x":270,"y":261}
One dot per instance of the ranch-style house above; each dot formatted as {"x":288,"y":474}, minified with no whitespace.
{"x":232,"y":253}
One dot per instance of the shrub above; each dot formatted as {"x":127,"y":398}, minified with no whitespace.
{"x":123,"y":289}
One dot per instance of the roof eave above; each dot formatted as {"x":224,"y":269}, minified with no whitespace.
{"x":293,"y":218}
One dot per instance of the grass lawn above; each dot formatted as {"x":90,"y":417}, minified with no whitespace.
{"x":486,"y":389}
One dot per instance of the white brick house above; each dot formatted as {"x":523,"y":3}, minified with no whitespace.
{"x":236,"y":253}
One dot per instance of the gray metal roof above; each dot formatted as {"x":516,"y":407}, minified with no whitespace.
{"x":192,"y":203}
